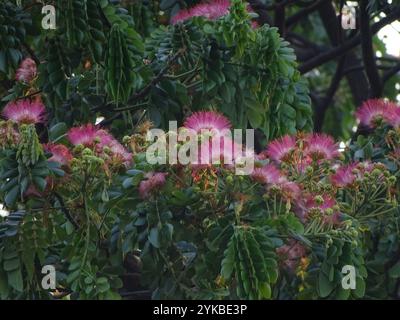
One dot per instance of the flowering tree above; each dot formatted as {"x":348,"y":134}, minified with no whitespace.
{"x":81,"y":194}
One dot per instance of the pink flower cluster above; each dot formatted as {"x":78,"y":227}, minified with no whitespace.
{"x":218,"y":125}
{"x":272,"y":177}
{"x":347,"y":175}
{"x":289,"y":158}
{"x":212,"y":10}
{"x":290,"y":254}
{"x":60,"y":153}
{"x":102,"y":141}
{"x":314,"y":147}
{"x":290,"y":163}
{"x":27,"y":71}
{"x":154,"y":182}
{"x":207,"y":120}
{"x":375,"y":111}
{"x":25,"y":111}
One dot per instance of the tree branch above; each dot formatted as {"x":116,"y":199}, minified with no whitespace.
{"x":349,"y":44}
{"x":65,"y":210}
{"x":357,"y":81}
{"x":323,"y":106}
{"x":261,"y":9}
{"x":281,"y":3}
{"x":279,"y":19}
{"x":142,"y":93}
{"x":390,"y":73}
{"x":303,"y":13}
{"x":368,"y":53}
{"x":31,"y":53}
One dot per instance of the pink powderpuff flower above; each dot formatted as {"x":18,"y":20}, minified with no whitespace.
{"x":321,"y":146}
{"x":308,"y":203}
{"x":27,"y":71}
{"x":290,"y":254}
{"x":84,"y":135}
{"x":105,"y":138}
{"x":302,"y":165}
{"x":344,"y":176}
{"x":118,"y":153}
{"x":327,"y":203}
{"x":154,"y":182}
{"x":368,"y":167}
{"x":255,"y":24}
{"x":207,"y":120}
{"x":373,"y":111}
{"x":393,"y":117}
{"x":210,"y":10}
{"x":335,"y":219}
{"x":8,"y":135}
{"x":290,"y":190}
{"x":60,"y":153}
{"x":25,"y":111}
{"x":279,"y":149}
{"x":261,"y":156}
{"x":267,"y":174}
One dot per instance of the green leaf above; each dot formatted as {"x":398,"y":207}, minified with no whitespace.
{"x":15,"y":280}
{"x":227,"y":264}
{"x":40,"y":183}
{"x":154,"y":237}
{"x":10,"y":265}
{"x":57,"y":131}
{"x":324,"y":285}
{"x":127,"y":183}
{"x":3,"y":62}
{"x":255,"y":118}
{"x":4,"y":289}
{"x":394,"y":272}
{"x":360,"y":287}
{"x":11,"y":196}
{"x":342,"y":294}
{"x":265,"y":290}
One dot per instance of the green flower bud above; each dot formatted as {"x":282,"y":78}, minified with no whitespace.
{"x":229,"y":180}
{"x":319,"y":200}
{"x":126,"y":139}
{"x":329,"y":211}
{"x":106,"y":150}
{"x":392,"y":179}
{"x":78,"y":148}
{"x":376,"y":172}
{"x":87,"y":152}
{"x":309,"y":170}
{"x":74,"y":162}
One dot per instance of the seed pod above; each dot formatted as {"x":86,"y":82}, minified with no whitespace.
{"x":119,"y":66}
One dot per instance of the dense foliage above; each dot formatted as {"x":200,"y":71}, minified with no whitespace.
{"x":81,"y":195}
